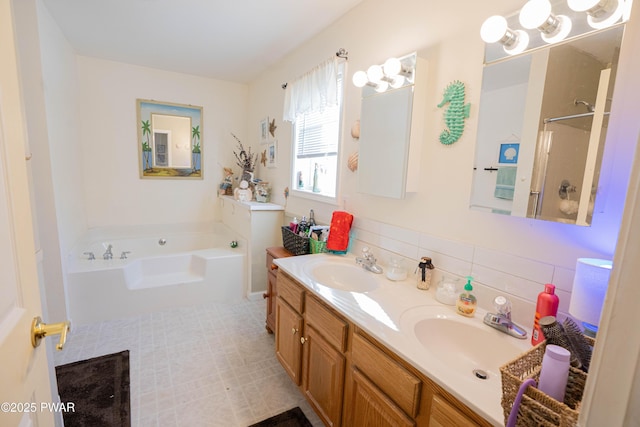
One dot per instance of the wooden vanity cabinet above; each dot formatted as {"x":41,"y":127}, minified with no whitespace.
{"x":351,"y":379}
{"x":310,"y":344}
{"x":272,"y":289}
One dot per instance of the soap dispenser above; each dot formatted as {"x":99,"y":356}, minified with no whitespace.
{"x":466,"y":304}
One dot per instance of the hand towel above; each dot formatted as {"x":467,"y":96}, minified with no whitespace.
{"x":505,"y":182}
{"x":338,"y":239}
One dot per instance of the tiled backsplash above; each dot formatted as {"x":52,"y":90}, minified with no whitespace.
{"x":495,"y":273}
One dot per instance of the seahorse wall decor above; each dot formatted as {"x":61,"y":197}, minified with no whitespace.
{"x":456,"y":113}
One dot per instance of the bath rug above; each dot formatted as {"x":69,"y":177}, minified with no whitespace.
{"x":291,"y":418}
{"x":99,"y":390}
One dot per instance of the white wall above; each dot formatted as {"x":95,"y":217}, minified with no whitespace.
{"x":114,"y":193}
{"x":450,"y":42}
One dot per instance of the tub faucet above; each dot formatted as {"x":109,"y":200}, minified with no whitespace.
{"x":368,"y":261}
{"x":124,"y":254}
{"x":502,"y":319}
{"x":90,"y":255}
{"x":108,"y":254}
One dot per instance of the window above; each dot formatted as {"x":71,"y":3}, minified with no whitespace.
{"x":316,"y":145}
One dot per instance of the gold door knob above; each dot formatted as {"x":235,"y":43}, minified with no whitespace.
{"x":39,"y":330}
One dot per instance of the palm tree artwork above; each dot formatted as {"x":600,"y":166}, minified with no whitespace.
{"x":146,"y":148}
{"x":195,"y":151}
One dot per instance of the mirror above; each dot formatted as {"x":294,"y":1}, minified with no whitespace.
{"x":542,"y":126}
{"x":169,"y":140}
{"x":390,"y":120}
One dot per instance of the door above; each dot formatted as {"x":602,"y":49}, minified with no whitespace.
{"x":24,"y":376}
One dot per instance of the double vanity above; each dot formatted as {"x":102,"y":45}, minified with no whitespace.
{"x":368,"y":351}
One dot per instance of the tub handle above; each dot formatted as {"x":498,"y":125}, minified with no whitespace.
{"x":123,"y":255}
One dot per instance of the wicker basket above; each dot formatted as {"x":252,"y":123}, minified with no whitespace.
{"x":295,"y":244}
{"x":538,"y":408}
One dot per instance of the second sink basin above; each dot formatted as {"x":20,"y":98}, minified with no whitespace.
{"x":340,"y":274}
{"x":465,"y":345}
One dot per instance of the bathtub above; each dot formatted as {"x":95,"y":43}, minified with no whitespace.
{"x":153,"y":268}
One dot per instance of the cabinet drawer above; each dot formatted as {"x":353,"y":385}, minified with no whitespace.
{"x":393,"y":379}
{"x":290,"y":291}
{"x":332,"y":327}
{"x":444,"y":414}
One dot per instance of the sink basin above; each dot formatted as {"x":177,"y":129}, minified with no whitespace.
{"x":465,"y":345}
{"x":340,"y":274}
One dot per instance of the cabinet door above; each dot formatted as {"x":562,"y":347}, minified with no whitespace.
{"x":444,"y":414}
{"x":288,"y":333}
{"x":323,"y":377}
{"x":368,"y":406}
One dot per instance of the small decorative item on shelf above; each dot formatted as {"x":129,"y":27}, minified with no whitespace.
{"x":263,"y":192}
{"x":245,"y":159}
{"x":227,"y":183}
{"x":243,"y":193}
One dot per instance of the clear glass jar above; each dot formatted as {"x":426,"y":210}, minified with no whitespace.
{"x":396,"y":270}
{"x":263,"y":192}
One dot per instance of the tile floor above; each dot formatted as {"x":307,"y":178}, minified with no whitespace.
{"x":211,"y":365}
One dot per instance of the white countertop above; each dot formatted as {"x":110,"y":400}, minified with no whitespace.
{"x":253,"y":205}
{"x":380,"y":313}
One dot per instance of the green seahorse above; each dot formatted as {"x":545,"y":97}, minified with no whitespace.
{"x":456,"y":113}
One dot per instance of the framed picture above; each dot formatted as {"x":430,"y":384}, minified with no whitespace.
{"x":169,"y":140}
{"x":509,"y":153}
{"x":272,"y":154}
{"x":264,"y":130}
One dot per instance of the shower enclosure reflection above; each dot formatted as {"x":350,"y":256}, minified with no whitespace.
{"x":542,"y":127}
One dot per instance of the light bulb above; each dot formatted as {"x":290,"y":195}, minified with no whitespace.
{"x":535,"y":13}
{"x":374,"y":73}
{"x":392,"y":67}
{"x":493,"y":29}
{"x":520,"y":43}
{"x":602,"y":13}
{"x":381,"y":86}
{"x":396,"y":82}
{"x":360,"y":79}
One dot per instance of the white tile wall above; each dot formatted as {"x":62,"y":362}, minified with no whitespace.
{"x":494,"y":272}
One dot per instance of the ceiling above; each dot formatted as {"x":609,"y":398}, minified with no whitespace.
{"x":233,"y":40}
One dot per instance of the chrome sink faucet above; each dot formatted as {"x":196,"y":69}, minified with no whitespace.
{"x":108,"y":254}
{"x":368,"y":261}
{"x":502,"y":319}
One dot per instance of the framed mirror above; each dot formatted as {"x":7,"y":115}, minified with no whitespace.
{"x":542,"y":126}
{"x":169,"y":140}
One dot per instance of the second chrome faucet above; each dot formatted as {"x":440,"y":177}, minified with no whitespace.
{"x":368,"y":261}
{"x":502,"y":319}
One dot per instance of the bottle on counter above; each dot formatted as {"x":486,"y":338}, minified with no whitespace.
{"x":424,"y":273}
{"x":466,"y":304}
{"x":293,"y":225}
{"x":555,"y":371}
{"x":547,"y":305}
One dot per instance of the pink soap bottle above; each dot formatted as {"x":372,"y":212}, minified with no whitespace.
{"x":547,"y":306}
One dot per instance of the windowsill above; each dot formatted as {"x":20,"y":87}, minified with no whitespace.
{"x":316,"y":197}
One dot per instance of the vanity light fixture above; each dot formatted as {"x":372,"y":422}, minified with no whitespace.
{"x":495,"y":29}
{"x":601,"y":13}
{"x":538,"y":14}
{"x":394,"y":73}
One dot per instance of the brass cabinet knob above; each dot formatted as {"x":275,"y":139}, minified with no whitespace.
{"x":39,"y":330}
{"x":293,"y":331}
{"x":303,"y":340}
